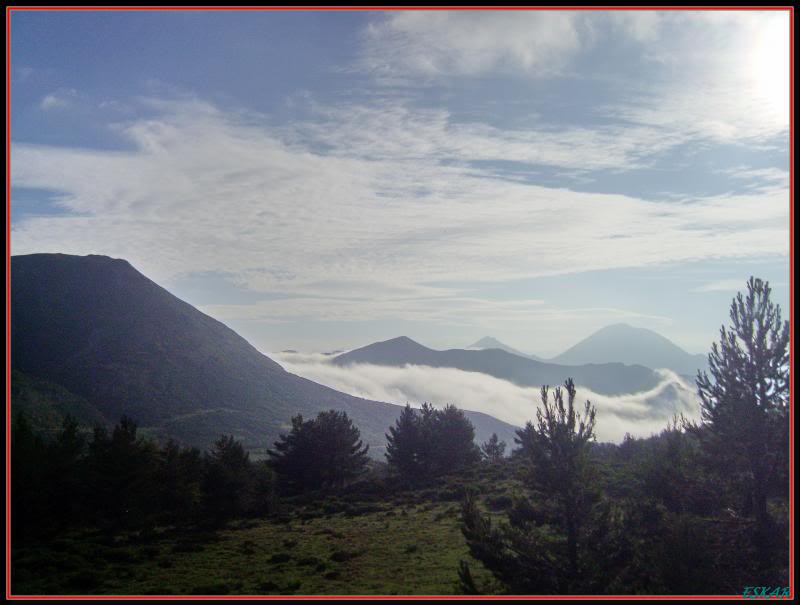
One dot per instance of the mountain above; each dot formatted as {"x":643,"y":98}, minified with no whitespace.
{"x":90,"y":333}
{"x":626,"y":344}
{"x":45,"y":404}
{"x":607,"y":378}
{"x":488,"y":342}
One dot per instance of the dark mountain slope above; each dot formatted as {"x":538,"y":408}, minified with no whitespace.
{"x":45,"y":404}
{"x":100,"y":329}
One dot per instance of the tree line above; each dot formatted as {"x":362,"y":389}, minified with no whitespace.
{"x":698,"y":508}
{"x":119,"y":480}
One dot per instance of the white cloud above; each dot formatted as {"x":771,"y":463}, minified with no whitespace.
{"x":714,"y":75}
{"x":722,"y":76}
{"x":372,"y":220}
{"x":639,"y":414}
{"x":447,"y":309}
{"x":726,"y":285}
{"x":397,"y":131}
{"x":435,"y":43}
{"x":59,"y":99}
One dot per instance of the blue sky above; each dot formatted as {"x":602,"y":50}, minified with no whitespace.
{"x":321,"y":180}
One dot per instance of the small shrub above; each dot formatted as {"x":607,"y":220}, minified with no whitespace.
{"x":308,"y":562}
{"x":83,"y":581}
{"x":280,"y":557}
{"x":499,"y":503}
{"x":214,"y":588}
{"x":340,"y":556}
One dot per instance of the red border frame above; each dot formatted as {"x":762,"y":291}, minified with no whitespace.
{"x":9,"y":9}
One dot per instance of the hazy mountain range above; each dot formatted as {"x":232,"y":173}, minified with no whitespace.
{"x":92,"y":336}
{"x":619,"y":343}
{"x":489,"y":342}
{"x":603,"y":378}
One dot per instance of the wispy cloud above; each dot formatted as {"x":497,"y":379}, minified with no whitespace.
{"x":707,"y":75}
{"x":207,"y":190}
{"x":731,"y":87}
{"x":58,"y":99}
{"x":444,"y":43}
{"x":726,"y":285}
{"x":639,"y":414}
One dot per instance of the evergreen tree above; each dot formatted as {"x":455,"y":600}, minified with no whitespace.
{"x":325,"y":452}
{"x":744,"y":401}
{"x":403,"y":444}
{"x":342,"y":455}
{"x":226,"y":479}
{"x":493,"y":449}
{"x":120,"y":469}
{"x":65,"y":471}
{"x":28,"y":481}
{"x":179,"y":481}
{"x":428,"y":442}
{"x":539,"y":549}
{"x":453,"y":437}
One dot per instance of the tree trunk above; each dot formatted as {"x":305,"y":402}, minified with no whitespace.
{"x":572,"y":550}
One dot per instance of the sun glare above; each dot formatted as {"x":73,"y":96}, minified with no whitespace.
{"x":769,"y":68}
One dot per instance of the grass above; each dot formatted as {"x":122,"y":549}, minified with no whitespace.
{"x":365,"y":540}
{"x":406,"y":548}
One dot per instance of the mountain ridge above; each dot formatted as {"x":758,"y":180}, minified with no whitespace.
{"x":608,"y":378}
{"x":490,"y":342}
{"x":114,"y":338}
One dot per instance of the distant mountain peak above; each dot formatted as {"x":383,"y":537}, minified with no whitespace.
{"x":607,"y":379}
{"x":629,"y":344}
{"x":487,"y":342}
{"x":490,"y":342}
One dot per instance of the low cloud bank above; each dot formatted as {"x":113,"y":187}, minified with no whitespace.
{"x":640,"y":414}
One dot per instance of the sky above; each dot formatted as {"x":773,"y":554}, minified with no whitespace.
{"x":322,"y":180}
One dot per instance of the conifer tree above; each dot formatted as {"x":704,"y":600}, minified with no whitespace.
{"x":453,"y":438}
{"x":539,"y":549}
{"x":403,"y":444}
{"x":745,"y":395}
{"x":428,"y":442}
{"x":325,"y":452}
{"x":493,"y":449}
{"x":226,"y":479}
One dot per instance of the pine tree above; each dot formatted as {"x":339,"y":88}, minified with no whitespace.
{"x":539,"y":549}
{"x":428,"y":442}
{"x":226,"y":479}
{"x":342,"y":455}
{"x":65,"y":470}
{"x":120,"y":469}
{"x":744,"y":401}
{"x":28,"y":481}
{"x":403,"y":444}
{"x":493,"y":449}
{"x":179,"y":478}
{"x":454,"y":438}
{"x":323,"y":453}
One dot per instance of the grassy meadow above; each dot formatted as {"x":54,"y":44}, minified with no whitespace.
{"x":409,"y":544}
